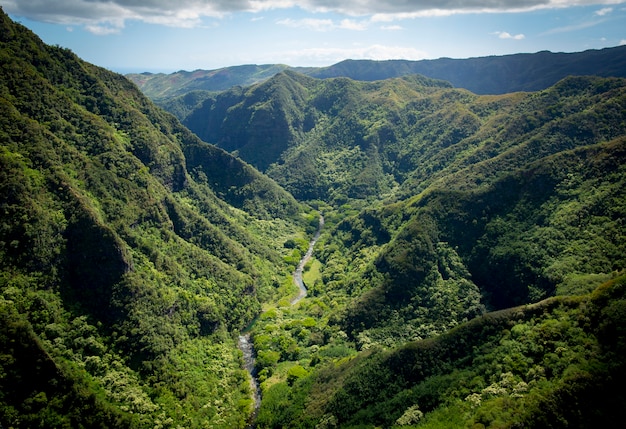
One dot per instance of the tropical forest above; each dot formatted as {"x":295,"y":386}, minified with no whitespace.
{"x":369,"y":245}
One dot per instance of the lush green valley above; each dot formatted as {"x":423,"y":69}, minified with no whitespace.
{"x":470,"y":272}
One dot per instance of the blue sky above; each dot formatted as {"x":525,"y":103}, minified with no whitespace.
{"x":168,"y":35}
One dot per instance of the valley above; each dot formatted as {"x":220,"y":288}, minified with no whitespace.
{"x":297,"y":274}
{"x":310,"y":251}
{"x":245,"y":342}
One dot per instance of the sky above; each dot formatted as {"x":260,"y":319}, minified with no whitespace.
{"x":169,"y":35}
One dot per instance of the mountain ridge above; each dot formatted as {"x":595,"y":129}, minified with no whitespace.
{"x":354,"y":139}
{"x":482,"y":75}
{"x":131,"y":252}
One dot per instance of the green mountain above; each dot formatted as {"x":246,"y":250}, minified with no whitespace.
{"x":436,"y":307}
{"x":339,"y":139}
{"x":442,"y":206}
{"x":494,"y":74}
{"x":321,"y":139}
{"x":131,"y":252}
{"x":159,"y":86}
{"x":470,"y":273}
{"x":481,"y":75}
{"x":555,"y":364}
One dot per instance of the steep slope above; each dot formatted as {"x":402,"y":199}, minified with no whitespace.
{"x":340,"y":140}
{"x":320,"y":139}
{"x":258,"y":124}
{"x":555,"y":364}
{"x":551,"y":227}
{"x":129,"y":252}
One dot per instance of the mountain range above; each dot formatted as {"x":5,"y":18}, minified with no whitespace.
{"x":481,"y":75}
{"x":470,"y":272}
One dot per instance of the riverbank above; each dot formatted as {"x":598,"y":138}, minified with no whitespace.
{"x":247,"y":348}
{"x":297,"y":274}
{"x":245,"y":342}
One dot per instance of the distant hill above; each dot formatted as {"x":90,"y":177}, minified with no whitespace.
{"x":494,"y":74}
{"x":482,"y":75}
{"x":341,"y":138}
{"x":161,"y":86}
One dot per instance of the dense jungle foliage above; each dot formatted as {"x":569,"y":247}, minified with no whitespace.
{"x":441,"y":206}
{"x":130,"y":252}
{"x":554,"y":364}
{"x":470,"y":272}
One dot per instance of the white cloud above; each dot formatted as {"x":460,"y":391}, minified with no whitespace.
{"x":350,"y":24}
{"x":111,"y":13}
{"x":392,"y":27}
{"x":391,"y":9}
{"x":604,"y":11}
{"x":105,"y":13}
{"x":328,"y":55}
{"x":308,"y":23}
{"x":505,"y":35}
{"x":381,"y":52}
{"x":622,"y":42}
{"x":575,"y":27}
{"x":102,"y":30}
{"x":324,"y":24}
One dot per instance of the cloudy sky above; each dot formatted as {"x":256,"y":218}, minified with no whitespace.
{"x":170,"y":35}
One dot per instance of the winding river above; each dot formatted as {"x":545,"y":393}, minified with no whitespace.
{"x":246,"y":346}
{"x":297,"y":275}
{"x":245,"y":342}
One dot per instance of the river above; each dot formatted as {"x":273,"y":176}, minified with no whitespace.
{"x":297,"y":275}
{"x":246,"y":346}
{"x":245,"y":342}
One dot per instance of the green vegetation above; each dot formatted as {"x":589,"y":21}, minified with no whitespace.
{"x":343,"y":141}
{"x":470,"y":273}
{"x":471,"y":204}
{"x":130,"y":253}
{"x":160,"y":86}
{"x":557,"y":363}
{"x":482,"y":75}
